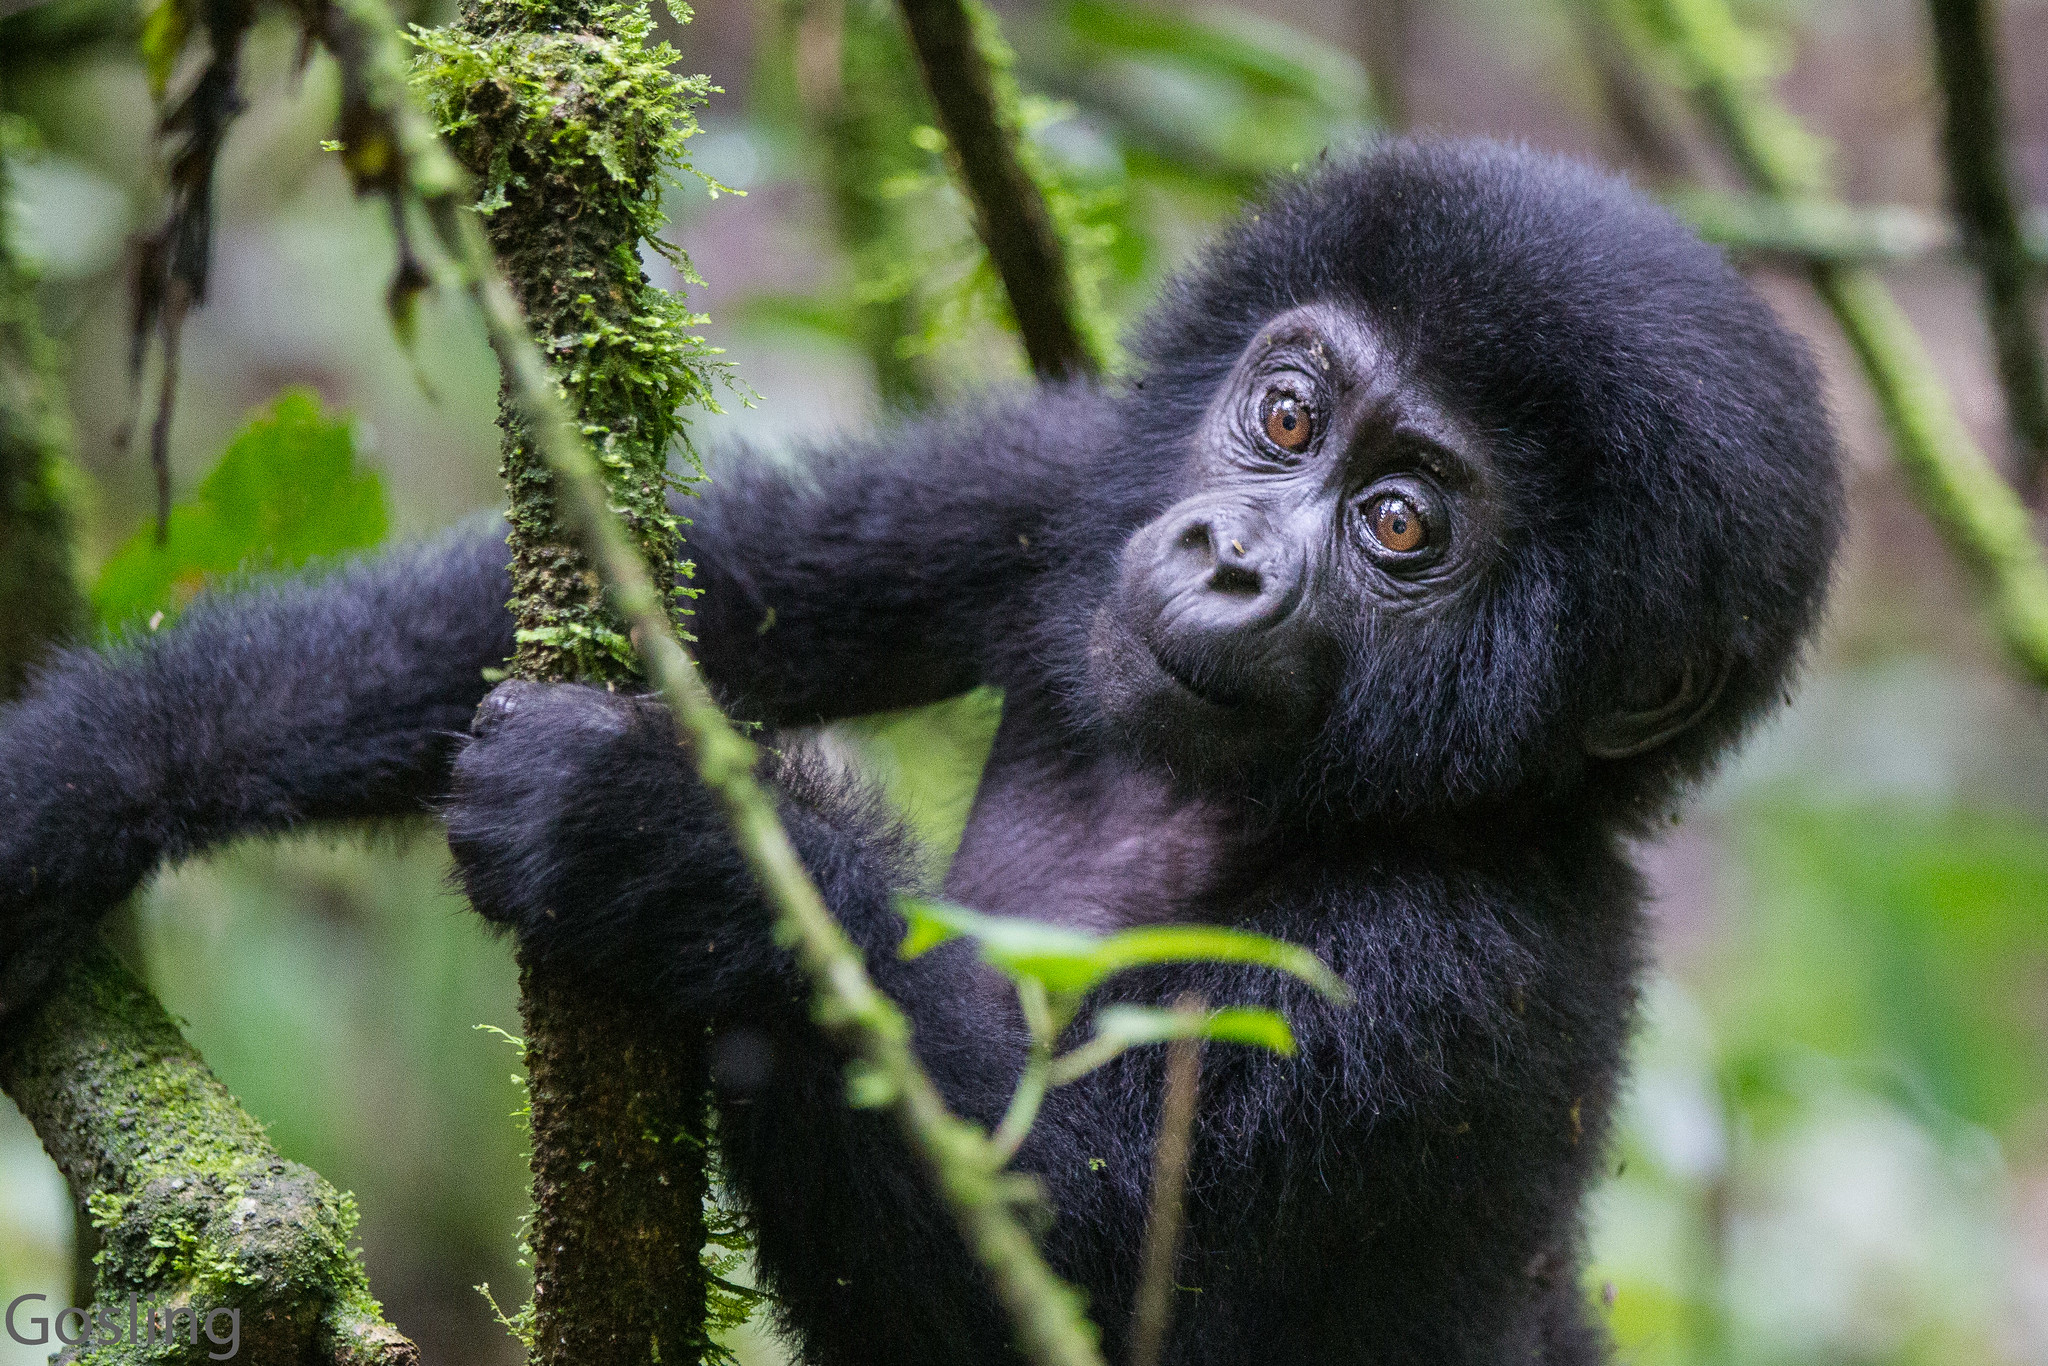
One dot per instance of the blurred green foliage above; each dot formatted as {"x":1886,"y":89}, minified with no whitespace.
{"x":1818,"y":1147}
{"x":1835,"y":1147}
{"x":287,"y":490}
{"x":1915,"y":942}
{"x":1215,"y":99}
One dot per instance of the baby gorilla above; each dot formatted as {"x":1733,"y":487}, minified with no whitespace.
{"x":1460,"y":509}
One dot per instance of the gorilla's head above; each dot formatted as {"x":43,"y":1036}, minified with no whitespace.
{"x":1498,"y":487}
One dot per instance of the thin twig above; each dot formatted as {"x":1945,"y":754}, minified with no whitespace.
{"x":1976,"y":511}
{"x":1151,"y":1316}
{"x":1048,"y":1313}
{"x":1009,"y":211}
{"x":1973,"y":140}
{"x":1051,"y":1326}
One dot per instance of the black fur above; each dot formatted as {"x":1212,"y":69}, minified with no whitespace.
{"x":1658,"y":492}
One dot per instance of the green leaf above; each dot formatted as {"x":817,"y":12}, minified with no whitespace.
{"x":287,"y":490}
{"x":164,"y":32}
{"x":1121,"y":1027}
{"x":1216,"y":944}
{"x":1129,"y":1026}
{"x":1069,"y":961}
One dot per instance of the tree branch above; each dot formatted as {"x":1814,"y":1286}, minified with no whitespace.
{"x":1009,"y":210}
{"x":198,"y":1210}
{"x":1977,"y":513}
{"x":567,"y":116}
{"x":1826,"y":230}
{"x":1973,"y":140}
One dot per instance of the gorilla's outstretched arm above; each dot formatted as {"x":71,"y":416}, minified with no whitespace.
{"x":339,"y":697}
{"x":881,"y":572}
{"x":295,"y":701}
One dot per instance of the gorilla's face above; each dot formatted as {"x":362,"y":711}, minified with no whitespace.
{"x":1333,"y":508}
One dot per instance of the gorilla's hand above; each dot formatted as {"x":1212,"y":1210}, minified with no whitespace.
{"x":576,"y":818}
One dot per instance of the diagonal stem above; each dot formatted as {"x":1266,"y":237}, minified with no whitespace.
{"x":1009,"y":211}
{"x":1980,"y":183}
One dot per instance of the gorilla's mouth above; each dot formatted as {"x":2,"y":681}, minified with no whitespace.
{"x":1206,"y":689}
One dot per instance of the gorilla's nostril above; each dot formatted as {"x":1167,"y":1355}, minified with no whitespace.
{"x":1196,"y":537}
{"x":1237,"y":580}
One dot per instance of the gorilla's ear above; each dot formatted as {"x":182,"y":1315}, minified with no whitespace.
{"x":1625,"y":734}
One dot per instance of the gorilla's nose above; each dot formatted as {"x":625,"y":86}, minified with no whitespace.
{"x":1222,"y":555}
{"x":1232,"y":560}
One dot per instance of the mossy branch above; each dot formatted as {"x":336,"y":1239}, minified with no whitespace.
{"x":1010,"y":211}
{"x":1808,"y":230}
{"x":1973,"y":142}
{"x":1728,"y":70}
{"x":197,"y":1209}
{"x":569,"y":119}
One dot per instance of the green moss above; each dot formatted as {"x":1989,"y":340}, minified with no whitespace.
{"x":195,"y":1207}
{"x":572,"y":122}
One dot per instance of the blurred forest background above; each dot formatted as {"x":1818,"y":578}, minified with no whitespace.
{"x":1836,"y":1146}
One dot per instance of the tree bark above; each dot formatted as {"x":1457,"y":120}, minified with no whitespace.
{"x":619,"y":1111}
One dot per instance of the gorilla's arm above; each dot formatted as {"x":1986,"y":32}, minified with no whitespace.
{"x":577,"y":821}
{"x":878,"y":573}
{"x":297,"y":700}
{"x":885,"y":564}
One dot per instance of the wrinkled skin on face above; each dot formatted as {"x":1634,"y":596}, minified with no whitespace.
{"x":1333,"y":495}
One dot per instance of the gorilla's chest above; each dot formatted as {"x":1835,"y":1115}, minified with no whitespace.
{"x":1100,"y":848}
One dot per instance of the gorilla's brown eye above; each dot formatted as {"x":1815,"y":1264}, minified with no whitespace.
{"x":1288,"y":422}
{"x":1398,"y":526}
